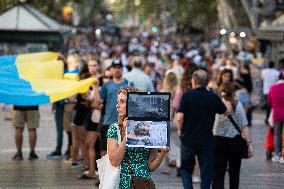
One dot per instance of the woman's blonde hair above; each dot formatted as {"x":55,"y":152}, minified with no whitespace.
{"x":170,"y":83}
{"x":76,"y":64}
{"x":124,"y":90}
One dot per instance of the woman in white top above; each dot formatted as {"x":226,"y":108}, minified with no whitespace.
{"x":228,"y":140}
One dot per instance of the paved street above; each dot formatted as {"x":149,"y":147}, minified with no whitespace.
{"x":256,"y":172}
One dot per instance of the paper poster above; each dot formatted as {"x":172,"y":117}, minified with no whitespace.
{"x":148,"y":119}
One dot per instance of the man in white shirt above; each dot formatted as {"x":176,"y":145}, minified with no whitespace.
{"x":136,"y":76}
{"x":269,"y":76}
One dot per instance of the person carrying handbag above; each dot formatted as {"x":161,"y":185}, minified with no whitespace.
{"x":230,"y":132}
{"x":136,"y":164}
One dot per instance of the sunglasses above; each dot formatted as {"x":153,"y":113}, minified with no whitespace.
{"x":107,"y":77}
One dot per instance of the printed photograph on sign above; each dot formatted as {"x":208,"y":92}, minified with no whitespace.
{"x":148,"y":106}
{"x":147,"y":134}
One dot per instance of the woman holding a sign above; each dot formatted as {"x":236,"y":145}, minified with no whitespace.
{"x":136,"y":163}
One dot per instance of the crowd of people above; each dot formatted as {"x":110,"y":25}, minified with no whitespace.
{"x":207,"y":82}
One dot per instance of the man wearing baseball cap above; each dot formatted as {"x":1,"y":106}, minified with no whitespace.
{"x":108,"y":95}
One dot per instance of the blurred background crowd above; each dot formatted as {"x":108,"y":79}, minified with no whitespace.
{"x":164,"y":45}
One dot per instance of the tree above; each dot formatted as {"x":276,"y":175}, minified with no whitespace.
{"x":53,"y":8}
{"x":201,"y":13}
{"x":232,"y":14}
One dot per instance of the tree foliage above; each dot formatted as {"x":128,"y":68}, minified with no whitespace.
{"x":185,"y":12}
{"x":53,"y":8}
{"x":203,"y":11}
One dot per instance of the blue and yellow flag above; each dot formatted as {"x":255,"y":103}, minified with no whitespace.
{"x":36,"y":78}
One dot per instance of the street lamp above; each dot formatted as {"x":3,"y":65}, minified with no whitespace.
{"x":154,"y":29}
{"x":98,"y":32}
{"x":109,"y":16}
{"x":242,"y":34}
{"x":232,"y":34}
{"x":223,"y":31}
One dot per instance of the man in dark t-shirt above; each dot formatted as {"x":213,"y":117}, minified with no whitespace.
{"x":194,"y":121}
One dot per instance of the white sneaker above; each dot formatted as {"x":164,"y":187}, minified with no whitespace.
{"x":196,"y":179}
{"x":87,"y":172}
{"x":281,"y":160}
{"x":275,"y":158}
{"x":68,"y":161}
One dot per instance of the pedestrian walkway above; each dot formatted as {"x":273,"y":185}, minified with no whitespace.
{"x":256,"y":173}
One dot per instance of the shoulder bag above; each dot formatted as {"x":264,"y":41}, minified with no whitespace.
{"x":244,"y":145}
{"x":138,"y":182}
{"x":109,"y":175}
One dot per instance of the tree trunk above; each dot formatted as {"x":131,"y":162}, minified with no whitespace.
{"x":232,"y":15}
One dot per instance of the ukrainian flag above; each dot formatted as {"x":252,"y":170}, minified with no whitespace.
{"x":35,"y":79}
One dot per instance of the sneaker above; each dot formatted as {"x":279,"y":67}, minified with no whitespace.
{"x":97,"y":183}
{"x":67,"y":157}
{"x":281,"y":160}
{"x":75,"y":165}
{"x":53,"y":155}
{"x":268,"y":155}
{"x":84,"y":167}
{"x":275,"y":158}
{"x":196,"y":179}
{"x":67,"y":154}
{"x":68,"y":161}
{"x":33,"y":156}
{"x":84,"y":176}
{"x":18,"y":156}
{"x":178,"y":172}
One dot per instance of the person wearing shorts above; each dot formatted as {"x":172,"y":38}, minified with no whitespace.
{"x":92,"y":135}
{"x":80,"y":112}
{"x":93,"y":118}
{"x":26,"y":115}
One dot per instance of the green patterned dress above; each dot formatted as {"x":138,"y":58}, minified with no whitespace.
{"x":138,"y":158}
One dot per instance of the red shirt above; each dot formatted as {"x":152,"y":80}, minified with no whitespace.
{"x":276,"y":101}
